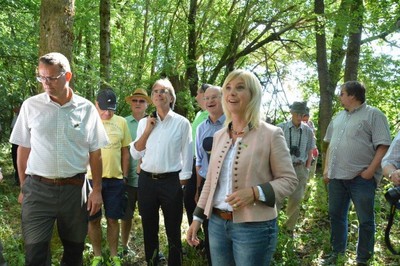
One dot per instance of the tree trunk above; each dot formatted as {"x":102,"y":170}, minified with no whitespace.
{"x":56,"y":27}
{"x":353,"y":47}
{"x":325,"y":104}
{"x":105,"y":46}
{"x":329,"y":75}
{"x":191,"y":63}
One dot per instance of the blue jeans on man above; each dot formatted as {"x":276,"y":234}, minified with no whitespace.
{"x":362,"y":193}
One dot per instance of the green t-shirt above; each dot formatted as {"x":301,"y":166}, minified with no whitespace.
{"x":200,"y":117}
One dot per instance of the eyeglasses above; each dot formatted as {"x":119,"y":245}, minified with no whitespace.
{"x":161,"y":91}
{"x":49,"y":79}
{"x":212,"y":98}
{"x":138,"y":101}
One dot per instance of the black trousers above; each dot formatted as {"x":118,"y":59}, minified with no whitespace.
{"x":167,"y":194}
{"x":14,"y":149}
{"x":188,"y":194}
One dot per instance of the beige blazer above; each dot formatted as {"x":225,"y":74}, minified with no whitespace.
{"x":263,"y":159}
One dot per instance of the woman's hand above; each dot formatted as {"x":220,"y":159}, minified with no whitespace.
{"x":241,"y":198}
{"x":191,"y":235}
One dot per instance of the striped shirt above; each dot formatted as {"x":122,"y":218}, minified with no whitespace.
{"x":393,"y":154}
{"x":292,"y":136}
{"x":353,"y":138}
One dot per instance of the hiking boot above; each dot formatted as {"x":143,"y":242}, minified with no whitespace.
{"x":97,"y":261}
{"x":114,"y":261}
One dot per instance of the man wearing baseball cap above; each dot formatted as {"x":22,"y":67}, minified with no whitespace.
{"x":115,"y":157}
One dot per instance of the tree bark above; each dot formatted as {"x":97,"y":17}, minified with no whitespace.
{"x":191,"y":63}
{"x":353,"y":47}
{"x":105,"y":43}
{"x":56,"y":28}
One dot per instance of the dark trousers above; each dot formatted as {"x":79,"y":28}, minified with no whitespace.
{"x":14,"y":149}
{"x":167,"y":194}
{"x":205,"y":228}
{"x":44,"y":205}
{"x":188,"y":194}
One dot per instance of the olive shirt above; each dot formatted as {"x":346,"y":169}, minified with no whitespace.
{"x":200,"y":117}
{"x":133,"y":177}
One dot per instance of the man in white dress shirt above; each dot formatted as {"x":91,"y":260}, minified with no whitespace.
{"x":164,"y":143}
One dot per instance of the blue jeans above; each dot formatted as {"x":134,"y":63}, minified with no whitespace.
{"x":242,"y":243}
{"x":362,"y":193}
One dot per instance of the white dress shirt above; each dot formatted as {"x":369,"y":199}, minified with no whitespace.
{"x":60,"y":137}
{"x":168,"y":148}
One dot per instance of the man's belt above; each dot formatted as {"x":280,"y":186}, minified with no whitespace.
{"x":226,"y":215}
{"x":162,"y":175}
{"x":298,"y":163}
{"x":76,"y":180}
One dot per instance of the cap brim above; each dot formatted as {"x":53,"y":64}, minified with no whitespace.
{"x":128,"y":99}
{"x":112,"y":107}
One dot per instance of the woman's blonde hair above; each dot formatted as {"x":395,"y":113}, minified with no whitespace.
{"x":252,"y":113}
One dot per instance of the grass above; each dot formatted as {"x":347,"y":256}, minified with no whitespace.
{"x":307,"y":247}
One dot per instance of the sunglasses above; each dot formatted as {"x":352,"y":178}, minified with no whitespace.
{"x":138,"y":101}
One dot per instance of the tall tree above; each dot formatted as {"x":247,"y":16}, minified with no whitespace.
{"x":56,"y":27}
{"x":105,"y":42}
{"x":191,"y":63}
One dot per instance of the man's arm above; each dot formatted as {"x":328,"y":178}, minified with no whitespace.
{"x":140,"y":144}
{"x":125,"y":160}
{"x":22,"y":161}
{"x":326,"y":165}
{"x":95,"y":199}
{"x":375,"y":163}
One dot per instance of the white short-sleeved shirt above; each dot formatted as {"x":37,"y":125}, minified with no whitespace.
{"x":60,"y":137}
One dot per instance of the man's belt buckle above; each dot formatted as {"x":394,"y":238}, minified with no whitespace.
{"x":155,"y":176}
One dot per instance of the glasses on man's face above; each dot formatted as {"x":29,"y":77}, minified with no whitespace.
{"x":49,"y":79}
{"x":160,"y":91}
{"x":212,"y":98}
{"x":138,"y":101}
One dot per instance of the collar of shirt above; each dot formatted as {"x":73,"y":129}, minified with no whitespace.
{"x":220,"y":120}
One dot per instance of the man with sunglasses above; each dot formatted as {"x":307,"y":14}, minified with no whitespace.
{"x":59,"y":133}
{"x":138,"y":101}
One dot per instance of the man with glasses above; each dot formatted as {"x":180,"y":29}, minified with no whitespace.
{"x":164,"y":143}
{"x":300,"y":140}
{"x":115,"y":158}
{"x":138,"y":101}
{"x":59,"y":133}
{"x":358,"y":138}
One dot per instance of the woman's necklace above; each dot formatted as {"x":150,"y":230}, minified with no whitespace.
{"x":237,"y":133}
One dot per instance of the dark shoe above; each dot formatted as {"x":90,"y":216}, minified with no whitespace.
{"x":161,"y":258}
{"x":330,"y":259}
